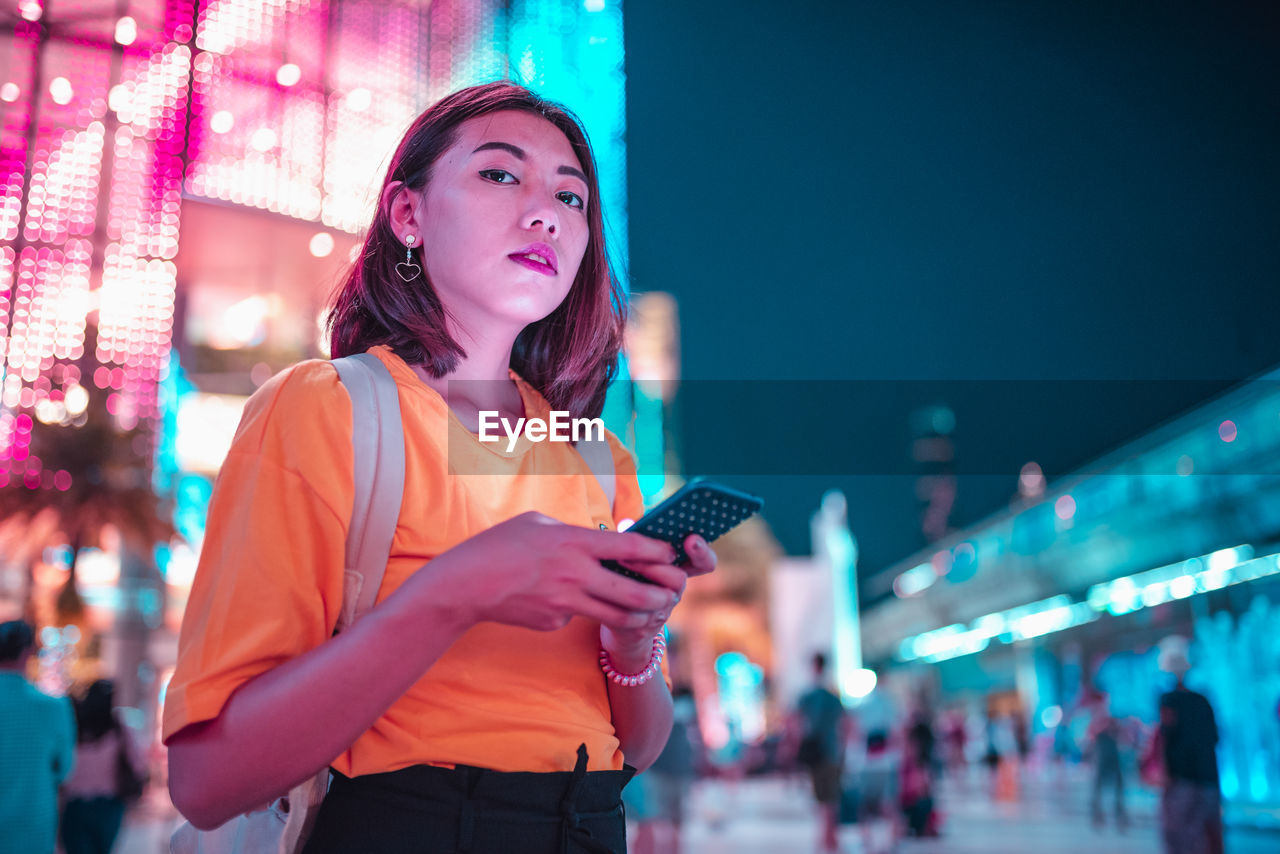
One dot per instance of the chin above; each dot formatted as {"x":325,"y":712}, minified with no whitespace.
{"x":526,"y":311}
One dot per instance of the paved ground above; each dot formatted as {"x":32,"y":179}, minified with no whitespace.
{"x":774,"y":816}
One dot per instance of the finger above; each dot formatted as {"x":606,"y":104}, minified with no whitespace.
{"x":644,"y":631}
{"x":664,"y":574}
{"x":624,"y":547}
{"x":701,"y":557}
{"x":628,"y":593}
{"x":609,"y":614}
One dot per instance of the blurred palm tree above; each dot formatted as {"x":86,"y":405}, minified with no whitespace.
{"x":109,"y":487}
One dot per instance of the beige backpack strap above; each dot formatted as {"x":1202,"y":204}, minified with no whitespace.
{"x":377,"y":444}
{"x":598,"y":455}
{"x":377,"y":439}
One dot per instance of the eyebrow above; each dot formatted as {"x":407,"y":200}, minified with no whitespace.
{"x":518,"y":153}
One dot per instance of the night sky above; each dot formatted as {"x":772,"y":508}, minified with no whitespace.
{"x":968,"y":191}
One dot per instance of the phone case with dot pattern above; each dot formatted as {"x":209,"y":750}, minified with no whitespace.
{"x":699,"y":507}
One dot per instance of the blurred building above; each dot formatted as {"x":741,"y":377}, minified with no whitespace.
{"x":181,"y":185}
{"x":722,"y":626}
{"x":1073,"y":586}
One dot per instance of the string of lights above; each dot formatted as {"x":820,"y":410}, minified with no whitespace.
{"x":289,"y":106}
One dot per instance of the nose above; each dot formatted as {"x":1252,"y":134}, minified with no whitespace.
{"x":545,"y":222}
{"x":541,"y":214}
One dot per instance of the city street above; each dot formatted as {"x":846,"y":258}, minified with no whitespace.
{"x":775,"y":816}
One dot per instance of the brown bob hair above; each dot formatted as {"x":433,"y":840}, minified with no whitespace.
{"x":570,"y":356}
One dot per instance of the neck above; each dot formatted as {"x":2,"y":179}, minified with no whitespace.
{"x":488,"y":346}
{"x":480,"y":381}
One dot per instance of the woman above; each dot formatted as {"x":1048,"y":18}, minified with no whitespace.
{"x":106,"y":752}
{"x":469,"y":709}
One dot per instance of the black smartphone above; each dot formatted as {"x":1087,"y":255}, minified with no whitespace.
{"x":699,"y":507}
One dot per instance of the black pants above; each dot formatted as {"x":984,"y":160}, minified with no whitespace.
{"x":90,"y":826}
{"x":425,"y":810}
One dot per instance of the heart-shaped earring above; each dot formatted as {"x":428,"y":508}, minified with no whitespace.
{"x":406,"y":269}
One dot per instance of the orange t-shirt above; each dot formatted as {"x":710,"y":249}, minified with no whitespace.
{"x":269,"y":583}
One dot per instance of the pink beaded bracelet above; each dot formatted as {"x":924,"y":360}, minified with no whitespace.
{"x":632,"y":680}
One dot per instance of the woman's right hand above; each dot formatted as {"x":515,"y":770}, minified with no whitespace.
{"x":537,"y":572}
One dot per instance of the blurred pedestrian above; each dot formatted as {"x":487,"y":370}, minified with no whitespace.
{"x":1021,"y":735}
{"x":955,"y":736}
{"x":1104,"y":748}
{"x":660,"y":794}
{"x":917,"y":783}
{"x":991,"y":755}
{"x":878,"y":787}
{"x":1001,"y":757}
{"x":823,"y":726}
{"x":1191,"y":805}
{"x":110,"y":772}
{"x":37,"y":743}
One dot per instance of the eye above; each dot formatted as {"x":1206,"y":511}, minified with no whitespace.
{"x":498,"y":176}
{"x":573,"y":200}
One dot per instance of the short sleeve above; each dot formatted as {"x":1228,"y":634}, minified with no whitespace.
{"x":268,"y":586}
{"x":628,"y":502}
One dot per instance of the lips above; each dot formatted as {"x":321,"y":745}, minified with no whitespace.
{"x":538,"y":257}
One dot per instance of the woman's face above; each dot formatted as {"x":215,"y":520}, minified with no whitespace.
{"x":509,"y":187}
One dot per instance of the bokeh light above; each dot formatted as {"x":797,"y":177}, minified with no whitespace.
{"x":288,"y":74}
{"x":1065,"y":507}
{"x":321,"y":244}
{"x":60,"y":90}
{"x":126,"y":31}
{"x":222,"y":121}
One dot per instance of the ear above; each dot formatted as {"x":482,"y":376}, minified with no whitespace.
{"x":401,"y":205}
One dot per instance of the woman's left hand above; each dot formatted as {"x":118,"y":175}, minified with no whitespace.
{"x":629,"y":647}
